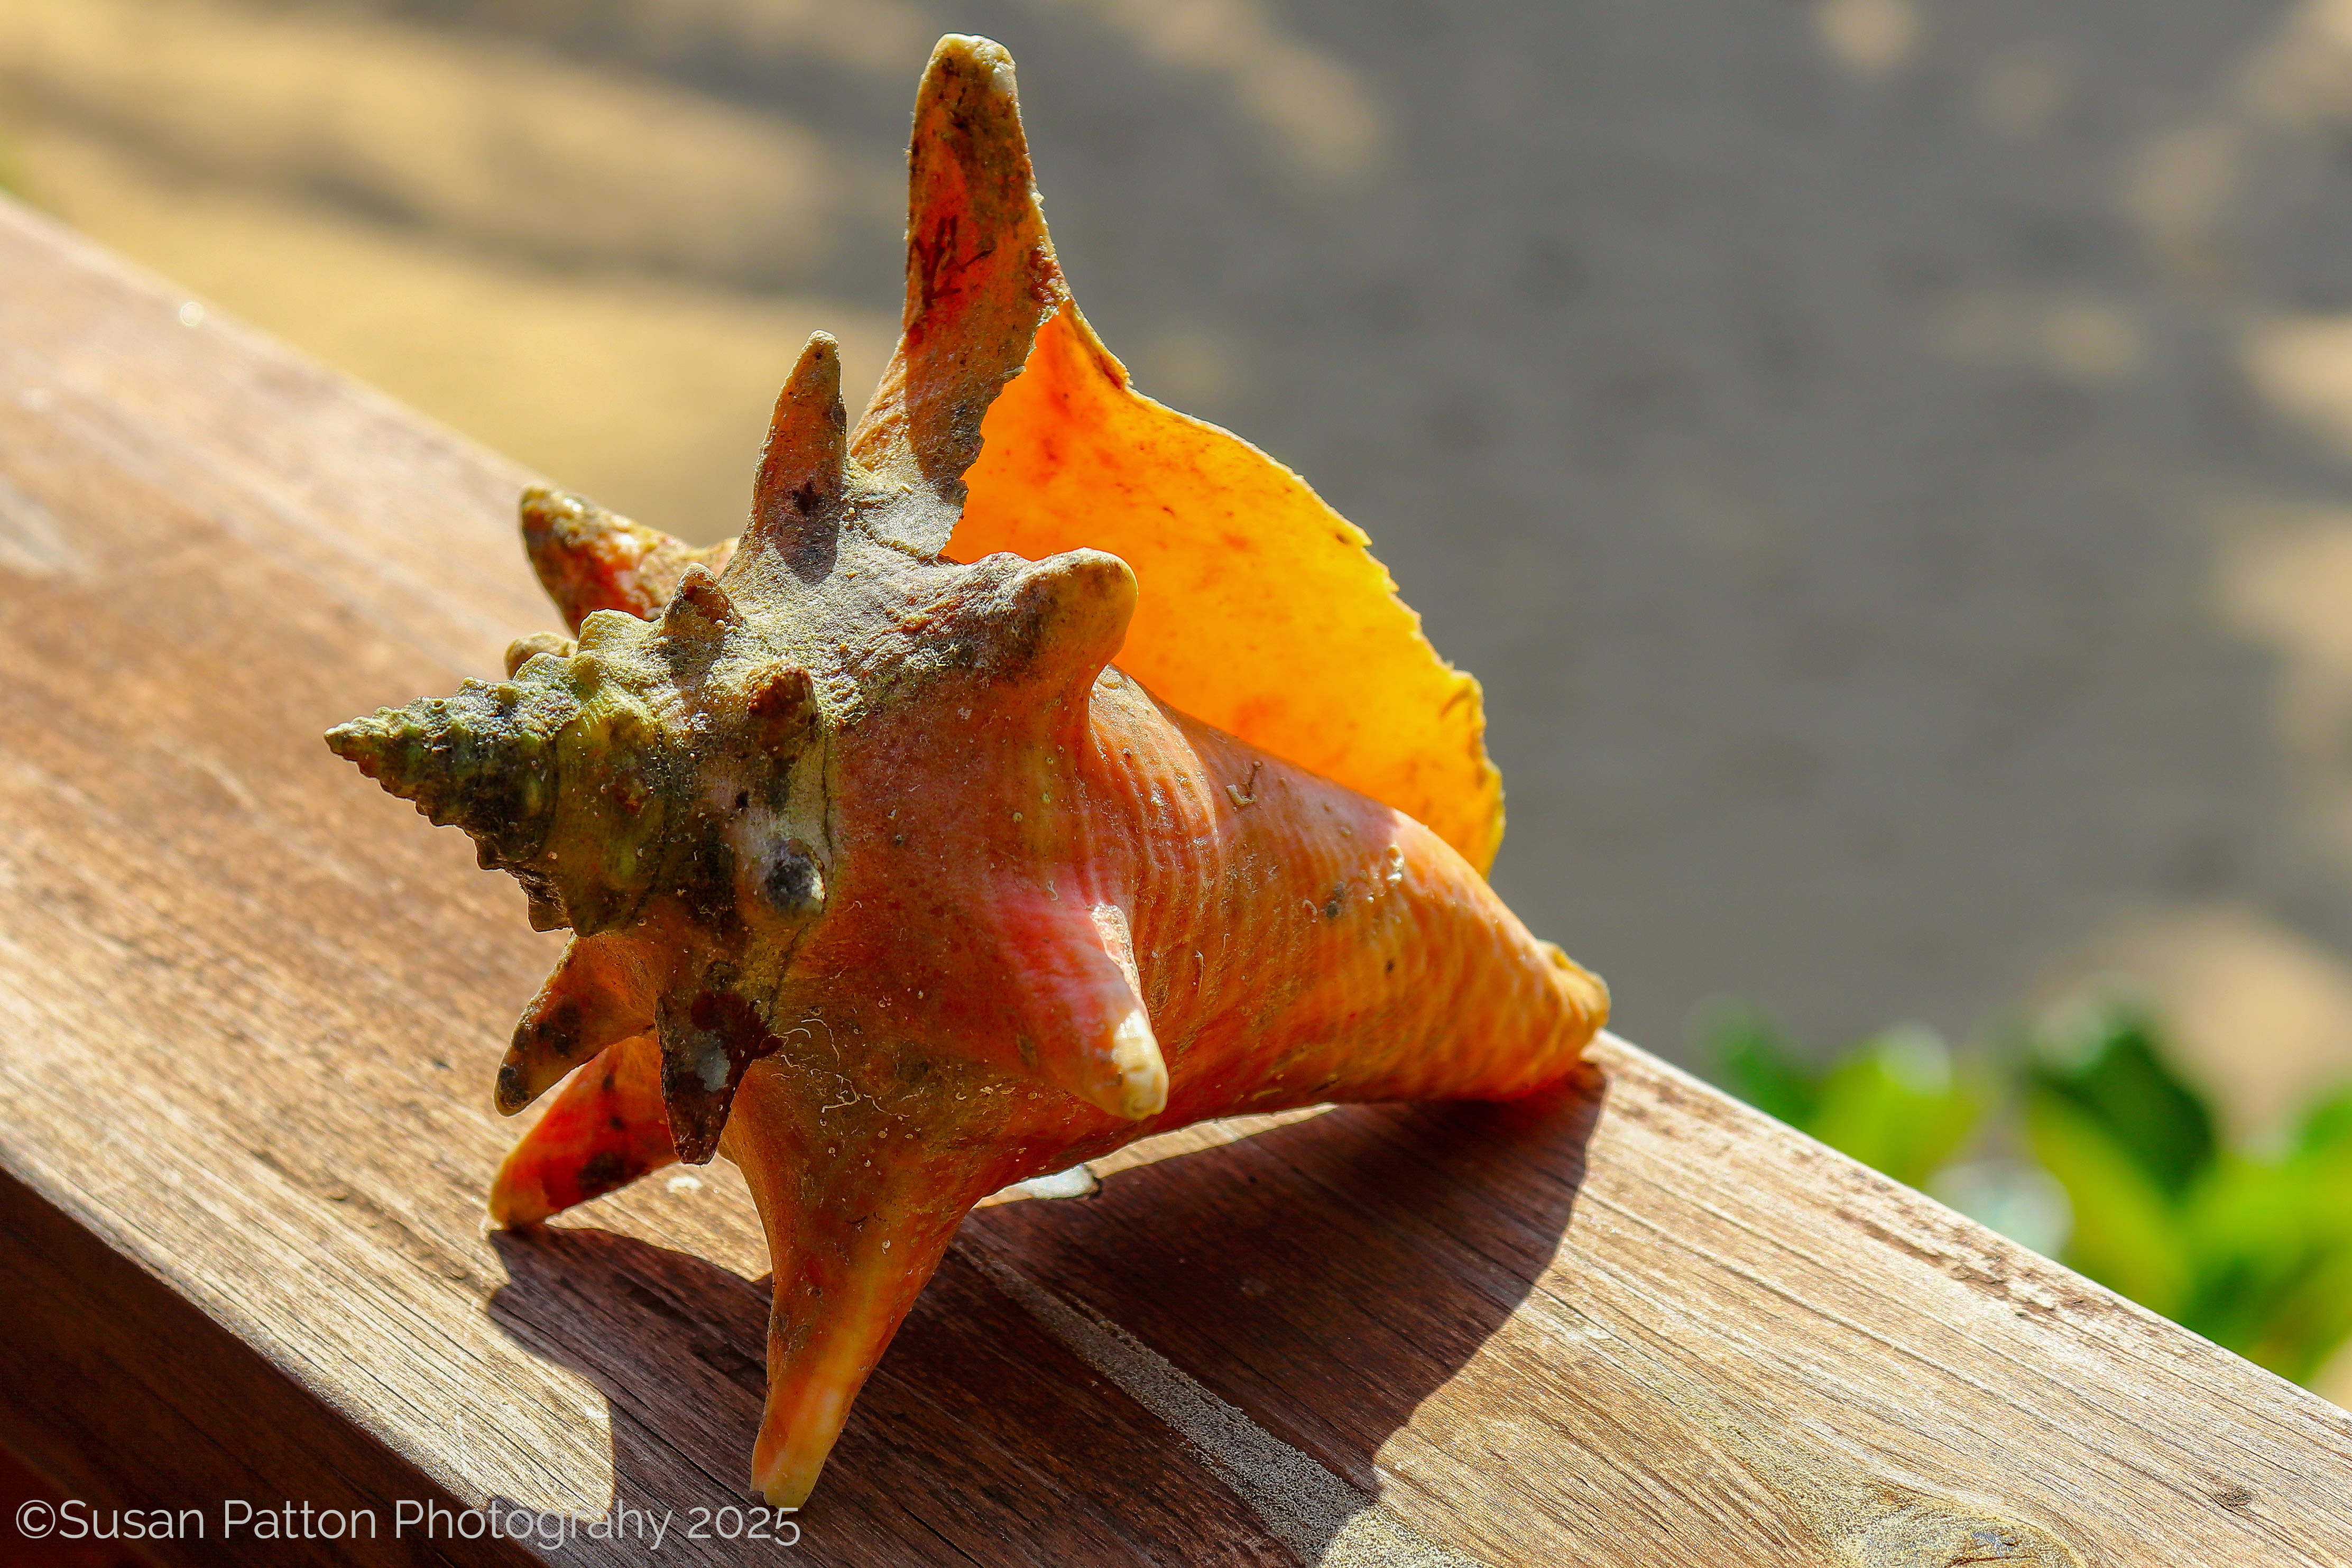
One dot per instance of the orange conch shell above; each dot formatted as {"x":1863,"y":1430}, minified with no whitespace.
{"x":886,"y":883}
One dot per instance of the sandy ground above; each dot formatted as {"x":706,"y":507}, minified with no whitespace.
{"x":1891,"y":461}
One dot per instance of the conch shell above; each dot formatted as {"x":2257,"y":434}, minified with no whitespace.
{"x":886,"y":883}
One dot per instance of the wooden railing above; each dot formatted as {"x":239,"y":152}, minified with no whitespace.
{"x":249,"y":1013}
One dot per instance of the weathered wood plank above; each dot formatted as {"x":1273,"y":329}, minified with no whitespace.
{"x":250,"y":1014}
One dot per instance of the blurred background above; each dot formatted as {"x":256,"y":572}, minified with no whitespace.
{"x":1890,"y":461}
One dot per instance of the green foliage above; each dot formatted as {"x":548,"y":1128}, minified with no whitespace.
{"x":1760,"y":1066}
{"x":2103,"y":1061}
{"x":2126,"y":1233}
{"x":2250,"y":1247}
{"x":1894,"y":1102}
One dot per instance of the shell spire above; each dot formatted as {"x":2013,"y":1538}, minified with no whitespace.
{"x":891,"y":875}
{"x":482,"y":760}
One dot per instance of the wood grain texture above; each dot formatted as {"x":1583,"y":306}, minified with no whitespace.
{"x":250,"y":1010}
